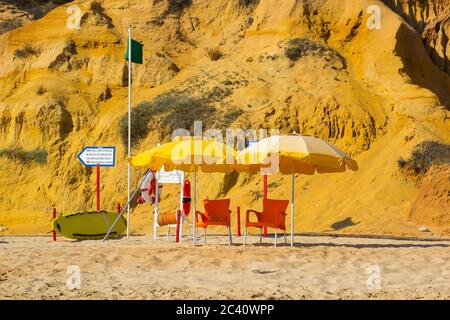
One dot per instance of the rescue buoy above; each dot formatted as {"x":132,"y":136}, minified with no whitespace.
{"x":186,"y":197}
{"x":168,"y":218}
{"x":148,"y":189}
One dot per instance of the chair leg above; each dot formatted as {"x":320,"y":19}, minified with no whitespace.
{"x":230,"y":240}
{"x":204,"y":236}
{"x":260,"y":235}
{"x":245,"y":235}
{"x":276,"y":236}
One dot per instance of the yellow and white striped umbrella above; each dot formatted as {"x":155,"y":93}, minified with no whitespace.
{"x":293,"y":154}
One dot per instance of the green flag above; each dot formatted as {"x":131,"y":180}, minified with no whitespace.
{"x":136,"y":52}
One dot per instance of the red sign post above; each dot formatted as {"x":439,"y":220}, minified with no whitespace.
{"x":98,"y":157}
{"x":98,"y":187}
{"x":238,"y":216}
{"x":265,"y":198}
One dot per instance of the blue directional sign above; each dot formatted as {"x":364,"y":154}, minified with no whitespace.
{"x":101,"y":156}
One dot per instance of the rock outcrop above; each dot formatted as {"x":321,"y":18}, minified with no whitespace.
{"x":14,"y":14}
{"x":431,"y":19}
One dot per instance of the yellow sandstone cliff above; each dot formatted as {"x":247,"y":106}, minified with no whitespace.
{"x":313,"y":67}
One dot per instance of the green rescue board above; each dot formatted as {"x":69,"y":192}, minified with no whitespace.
{"x":89,"y":225}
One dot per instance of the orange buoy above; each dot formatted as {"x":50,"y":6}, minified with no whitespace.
{"x":167,"y":218}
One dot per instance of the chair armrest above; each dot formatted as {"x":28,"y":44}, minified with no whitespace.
{"x":202,"y":215}
{"x":247,"y":214}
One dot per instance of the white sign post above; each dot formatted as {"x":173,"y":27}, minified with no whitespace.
{"x":98,"y":157}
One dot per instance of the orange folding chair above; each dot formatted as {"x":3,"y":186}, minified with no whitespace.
{"x":217,"y":213}
{"x":273,"y":215}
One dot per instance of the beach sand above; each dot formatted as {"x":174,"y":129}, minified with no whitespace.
{"x":140,"y":268}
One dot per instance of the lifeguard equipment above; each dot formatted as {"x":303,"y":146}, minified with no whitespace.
{"x":89,"y":225}
{"x":186,"y":197}
{"x":178,"y":216}
{"x":148,"y":189}
{"x":168,"y":218}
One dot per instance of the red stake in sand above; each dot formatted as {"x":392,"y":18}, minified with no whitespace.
{"x":98,"y":187}
{"x":54,"y":217}
{"x":177,"y":236}
{"x":265,"y":198}
{"x":238,"y":221}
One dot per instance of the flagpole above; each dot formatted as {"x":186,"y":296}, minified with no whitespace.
{"x":129,"y":129}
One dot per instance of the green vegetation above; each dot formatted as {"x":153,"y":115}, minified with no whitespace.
{"x":38,"y":156}
{"x":425,"y":155}
{"x":213,"y":54}
{"x":178,"y":5}
{"x":165,"y":113}
{"x":297,"y":48}
{"x":230,"y":116}
{"x":26,"y":51}
{"x":246,"y":3}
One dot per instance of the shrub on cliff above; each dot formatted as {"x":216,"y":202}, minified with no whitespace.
{"x":38,"y":156}
{"x":213,"y":54}
{"x":425,"y":155}
{"x":297,"y":48}
{"x":165,"y":113}
{"x":26,"y":51}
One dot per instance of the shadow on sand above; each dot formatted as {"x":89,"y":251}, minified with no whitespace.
{"x":269,"y":242}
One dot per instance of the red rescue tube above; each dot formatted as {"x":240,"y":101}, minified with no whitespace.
{"x":186,"y":197}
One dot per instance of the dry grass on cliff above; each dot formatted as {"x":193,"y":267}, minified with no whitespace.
{"x":38,"y":156}
{"x":425,"y":155}
{"x":165,"y":113}
{"x":213,"y":54}
{"x":26,"y":51}
{"x":297,"y":48}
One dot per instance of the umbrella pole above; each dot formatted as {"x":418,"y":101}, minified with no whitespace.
{"x":292,"y":205}
{"x":195,"y":207}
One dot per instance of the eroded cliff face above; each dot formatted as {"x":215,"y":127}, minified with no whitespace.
{"x":16,"y":13}
{"x":431,"y":19}
{"x":312,"y":67}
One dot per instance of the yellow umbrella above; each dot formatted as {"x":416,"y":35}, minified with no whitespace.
{"x":188,"y":154}
{"x":293,"y":154}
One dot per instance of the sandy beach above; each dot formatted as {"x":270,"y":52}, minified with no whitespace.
{"x":140,"y":268}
